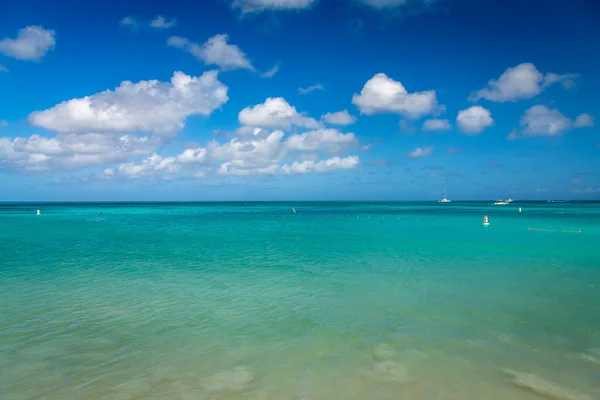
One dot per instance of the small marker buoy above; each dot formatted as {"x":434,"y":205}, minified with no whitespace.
{"x":486,"y":222}
{"x":294,"y":210}
{"x":38,"y":212}
{"x":520,"y":209}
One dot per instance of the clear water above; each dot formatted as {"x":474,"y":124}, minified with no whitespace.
{"x":338,"y":301}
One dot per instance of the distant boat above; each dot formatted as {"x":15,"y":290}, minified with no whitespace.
{"x":445,"y":199}
{"x":509,"y":200}
{"x":500,"y":203}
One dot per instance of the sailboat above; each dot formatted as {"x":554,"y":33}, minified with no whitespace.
{"x":445,"y":199}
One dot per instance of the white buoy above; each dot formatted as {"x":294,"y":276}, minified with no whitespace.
{"x":486,"y":222}
{"x":38,"y":212}
{"x":520,"y":209}
{"x":294,"y":210}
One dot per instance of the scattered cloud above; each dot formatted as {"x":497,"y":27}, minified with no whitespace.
{"x":420,"y":152}
{"x":147,"y":106}
{"x":474,"y":120}
{"x":381,"y":94}
{"x":161,"y":22}
{"x":3,"y":68}
{"x":540,"y":120}
{"x":258,"y":6}
{"x":329,"y":165}
{"x":588,"y":190}
{"x":541,"y":190}
{"x":584,"y":121}
{"x":270,"y":73}
{"x":155,"y":166}
{"x":130,"y":23}
{"x":31,"y":44}
{"x":310,"y":88}
{"x":70,"y":151}
{"x":521,"y":82}
{"x":339,"y":118}
{"x":328,"y":140}
{"x":432,"y":125}
{"x":275,"y":113}
{"x":215,"y":51}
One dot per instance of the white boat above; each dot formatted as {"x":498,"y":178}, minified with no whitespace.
{"x":445,"y":199}
{"x":500,"y":203}
{"x":509,"y":200}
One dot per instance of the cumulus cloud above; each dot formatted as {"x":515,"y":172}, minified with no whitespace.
{"x":270,"y":73}
{"x":155,"y":166}
{"x":521,"y":82}
{"x":431,"y":125}
{"x":161,"y":22}
{"x":310,"y":88}
{"x":147,"y":106}
{"x":329,"y":165}
{"x":329,"y":140}
{"x":540,"y":120}
{"x":275,"y":113}
{"x":31,"y":44}
{"x":384,"y":4}
{"x":339,"y":118}
{"x":474,"y":120}
{"x":70,"y":151}
{"x":420,"y":152}
{"x":584,"y":120}
{"x":215,"y":51}
{"x":257,"y":6}
{"x":381,"y":94}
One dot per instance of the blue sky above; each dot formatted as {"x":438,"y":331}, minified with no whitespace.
{"x":299,"y":99}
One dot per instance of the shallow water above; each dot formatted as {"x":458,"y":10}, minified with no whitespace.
{"x":338,"y":301}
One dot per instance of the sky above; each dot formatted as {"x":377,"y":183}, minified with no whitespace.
{"x":299,"y":100}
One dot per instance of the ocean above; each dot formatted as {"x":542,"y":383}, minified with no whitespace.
{"x":339,"y":300}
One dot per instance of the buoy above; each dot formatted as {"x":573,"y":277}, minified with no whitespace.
{"x":38,"y":212}
{"x":486,"y":222}
{"x":520,"y":209}
{"x":294,"y":210}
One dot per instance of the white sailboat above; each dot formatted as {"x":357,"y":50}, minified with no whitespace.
{"x":445,"y":199}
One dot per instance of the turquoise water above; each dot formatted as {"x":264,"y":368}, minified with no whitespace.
{"x":338,"y":301}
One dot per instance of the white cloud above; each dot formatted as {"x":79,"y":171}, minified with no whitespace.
{"x":270,"y":73}
{"x":257,"y":6}
{"x":3,"y":68}
{"x":70,"y":151}
{"x":521,"y":82}
{"x":436,"y":125}
{"x":329,"y":140}
{"x":474,"y":119}
{"x":382,"y":94}
{"x":154,"y":166}
{"x":329,"y":165}
{"x":540,"y":120}
{"x":161,"y":22}
{"x":310,"y":88}
{"x":192,"y":156}
{"x":215,"y":51}
{"x":339,"y":118}
{"x":513,"y":135}
{"x":148,"y":106}
{"x":420,"y":152}
{"x":275,"y":113}
{"x":31,"y":43}
{"x":584,"y":121}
